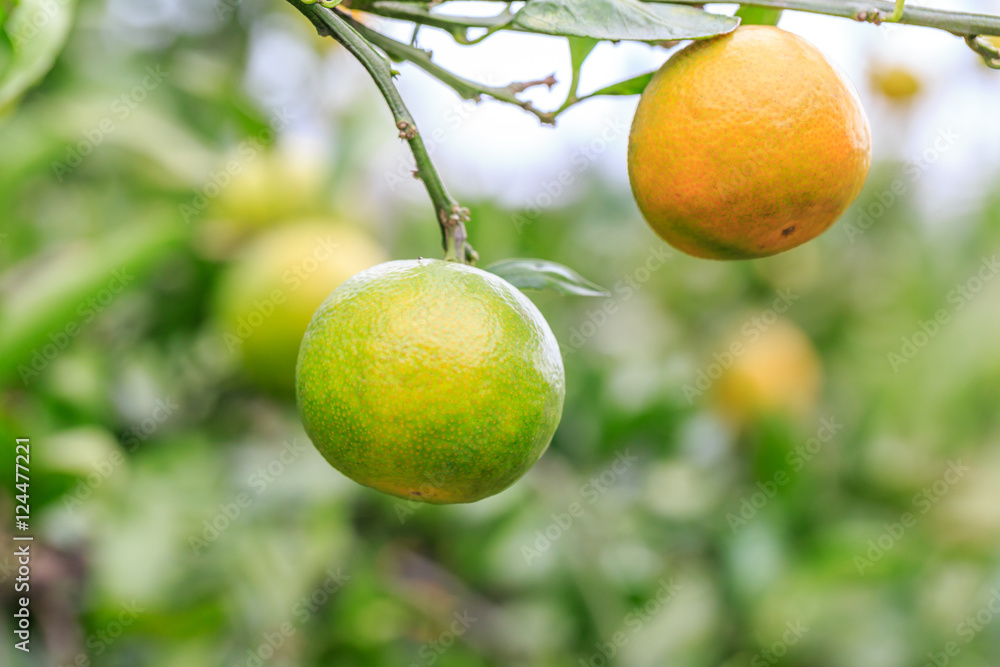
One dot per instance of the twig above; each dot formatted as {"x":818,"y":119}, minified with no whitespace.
{"x":467,"y":89}
{"x":451,"y":217}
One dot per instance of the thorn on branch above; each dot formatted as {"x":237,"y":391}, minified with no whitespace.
{"x":406,"y":130}
{"x":520,"y":87}
{"x":871,"y":16}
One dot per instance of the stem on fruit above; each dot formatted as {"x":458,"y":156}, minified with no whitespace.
{"x":897,"y":13}
{"x":451,"y":217}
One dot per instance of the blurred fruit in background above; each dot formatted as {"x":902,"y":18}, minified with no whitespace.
{"x":268,"y":295}
{"x":267,"y":187}
{"x":896,"y":83}
{"x":778,"y":372}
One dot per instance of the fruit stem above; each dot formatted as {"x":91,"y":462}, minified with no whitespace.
{"x":450,"y":216}
{"x":897,"y":13}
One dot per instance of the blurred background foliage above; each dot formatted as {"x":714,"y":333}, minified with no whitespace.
{"x":744,"y":474}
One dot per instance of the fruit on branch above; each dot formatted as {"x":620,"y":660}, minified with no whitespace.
{"x":747,"y":145}
{"x":267,"y":296}
{"x":430,"y":380}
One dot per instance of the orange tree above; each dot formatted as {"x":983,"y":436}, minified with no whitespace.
{"x":585,"y":23}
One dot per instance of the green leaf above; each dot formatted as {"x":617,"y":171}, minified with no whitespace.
{"x":620,"y":19}
{"x":37,"y":31}
{"x":633,"y":86}
{"x":579,"y":49}
{"x":539,"y":274}
{"x":750,"y":15}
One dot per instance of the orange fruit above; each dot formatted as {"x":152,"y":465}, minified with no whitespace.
{"x":430,"y":380}
{"x":779,"y":372}
{"x":268,"y":294}
{"x":747,"y":145}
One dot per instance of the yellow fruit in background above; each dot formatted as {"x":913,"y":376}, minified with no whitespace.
{"x":431,"y":381}
{"x":268,"y":294}
{"x":263,"y":187}
{"x":778,"y":371}
{"x":896,"y":83}
{"x":747,"y":145}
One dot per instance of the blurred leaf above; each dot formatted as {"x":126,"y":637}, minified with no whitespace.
{"x":633,"y":86}
{"x":37,"y":30}
{"x":539,"y":274}
{"x":620,"y":19}
{"x":48,"y":303}
{"x":750,"y":15}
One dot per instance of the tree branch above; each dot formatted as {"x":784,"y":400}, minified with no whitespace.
{"x":877,"y":11}
{"x":467,"y":89}
{"x":451,"y":217}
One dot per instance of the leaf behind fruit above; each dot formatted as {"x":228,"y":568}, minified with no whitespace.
{"x":540,"y":274}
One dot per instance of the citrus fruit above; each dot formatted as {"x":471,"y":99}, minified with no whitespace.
{"x":747,"y":145}
{"x":430,"y":380}
{"x":779,"y":372}
{"x":261,"y":187}
{"x":898,"y":84}
{"x":268,"y":294}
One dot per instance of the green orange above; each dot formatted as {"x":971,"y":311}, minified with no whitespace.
{"x":268,"y":294}
{"x":747,"y":145}
{"x":430,"y":380}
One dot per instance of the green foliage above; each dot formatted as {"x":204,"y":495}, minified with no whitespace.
{"x":620,"y":19}
{"x":539,"y":274}
{"x":164,"y":481}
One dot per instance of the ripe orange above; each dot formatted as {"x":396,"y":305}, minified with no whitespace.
{"x":430,"y":380}
{"x":747,"y":145}
{"x":269,"y":293}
